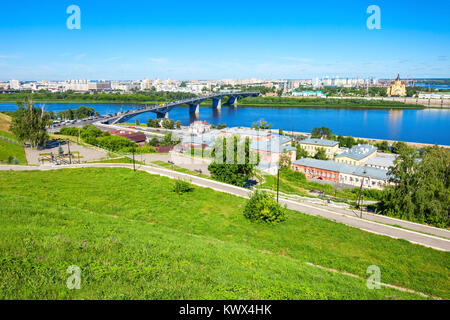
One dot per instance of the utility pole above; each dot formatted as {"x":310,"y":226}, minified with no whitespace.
{"x":134,"y":166}
{"x":278,"y":182}
{"x":68,"y":147}
{"x":360,"y":206}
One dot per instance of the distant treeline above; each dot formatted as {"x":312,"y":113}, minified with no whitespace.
{"x":322,"y":102}
{"x":70,"y":96}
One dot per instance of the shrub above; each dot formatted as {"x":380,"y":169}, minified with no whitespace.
{"x":69,"y":131}
{"x":182,"y":186}
{"x":263,"y":207}
{"x":13,"y":160}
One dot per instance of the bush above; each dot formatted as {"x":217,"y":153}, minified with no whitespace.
{"x":263,"y":207}
{"x":13,"y":160}
{"x":69,"y":131}
{"x":182,"y":186}
{"x":292,"y":175}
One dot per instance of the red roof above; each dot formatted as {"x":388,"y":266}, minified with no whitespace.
{"x":135,"y":136}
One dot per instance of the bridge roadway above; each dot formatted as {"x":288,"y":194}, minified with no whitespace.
{"x":425,"y":235}
{"x":162,"y":110}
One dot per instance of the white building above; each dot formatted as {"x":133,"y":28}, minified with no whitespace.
{"x":14,"y":84}
{"x":434,"y":96}
{"x":199,"y":127}
{"x":306,"y":93}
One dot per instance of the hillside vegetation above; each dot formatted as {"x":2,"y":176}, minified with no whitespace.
{"x":9,"y":152}
{"x":133,"y":237}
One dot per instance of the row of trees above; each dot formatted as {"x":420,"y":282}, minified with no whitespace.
{"x":421,"y":192}
{"x":168,"y":140}
{"x":70,"y":114}
{"x":143,"y":96}
{"x":165,"y":123}
{"x":93,"y":135}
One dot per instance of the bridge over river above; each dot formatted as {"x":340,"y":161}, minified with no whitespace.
{"x":161,"y":110}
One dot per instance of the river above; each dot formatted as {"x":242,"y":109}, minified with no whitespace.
{"x":413,"y":125}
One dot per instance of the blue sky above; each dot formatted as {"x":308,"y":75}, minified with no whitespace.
{"x":138,"y":39}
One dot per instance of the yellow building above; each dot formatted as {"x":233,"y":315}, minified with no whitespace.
{"x":312,"y":145}
{"x":398,"y":89}
{"x":357,"y":155}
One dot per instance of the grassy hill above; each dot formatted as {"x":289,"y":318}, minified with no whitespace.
{"x":8,"y":149}
{"x":133,"y":237}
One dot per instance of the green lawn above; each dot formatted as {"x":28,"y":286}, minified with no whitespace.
{"x":179,"y":169}
{"x":144,"y":241}
{"x":117,"y":160}
{"x":8,"y":149}
{"x":290,"y":183}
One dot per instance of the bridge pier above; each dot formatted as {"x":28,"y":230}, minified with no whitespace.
{"x":233,"y":101}
{"x":194,"y":108}
{"x":162,"y":115}
{"x":217,"y":103}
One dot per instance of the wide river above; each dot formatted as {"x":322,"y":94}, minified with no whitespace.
{"x":413,"y":125}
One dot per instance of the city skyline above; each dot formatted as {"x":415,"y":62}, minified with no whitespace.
{"x":210,"y":41}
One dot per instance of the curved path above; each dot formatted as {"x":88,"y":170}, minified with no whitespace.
{"x":334,"y":214}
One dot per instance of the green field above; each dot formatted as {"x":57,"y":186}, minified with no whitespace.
{"x":8,"y":149}
{"x":295,"y":183}
{"x":117,"y":160}
{"x":179,"y":169}
{"x":133,"y":237}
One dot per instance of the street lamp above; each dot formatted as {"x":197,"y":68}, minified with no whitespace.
{"x":134,"y":166}
{"x":68,"y":148}
{"x":278,"y":182}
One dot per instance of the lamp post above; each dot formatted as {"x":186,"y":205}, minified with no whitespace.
{"x":278,"y":182}
{"x":68,"y":148}
{"x":134,"y":166}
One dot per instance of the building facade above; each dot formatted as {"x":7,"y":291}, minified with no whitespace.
{"x":312,"y":145}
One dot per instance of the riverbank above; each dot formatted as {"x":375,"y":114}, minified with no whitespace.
{"x":88,"y":101}
{"x":279,"y":102}
{"x":417,"y":145}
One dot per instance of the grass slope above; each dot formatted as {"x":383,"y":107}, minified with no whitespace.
{"x":144,"y":241}
{"x":8,"y":149}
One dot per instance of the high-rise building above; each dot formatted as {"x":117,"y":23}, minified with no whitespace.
{"x":14,"y":84}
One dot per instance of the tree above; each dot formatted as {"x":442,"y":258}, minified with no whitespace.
{"x":137,"y":122}
{"x":261,"y":125}
{"x":169,"y":140}
{"x":150,"y":123}
{"x":168,"y":124}
{"x":421,"y":191}
{"x":398,"y":147}
{"x":154,"y":141}
{"x":29,"y":124}
{"x":182,"y":186}
{"x":178,"y":124}
{"x":383,"y":146}
{"x":285,"y":160}
{"x":321,"y":154}
{"x":301,"y":153}
{"x":229,"y":166}
{"x":280,"y":131}
{"x":263,"y":207}
{"x":322,"y":132}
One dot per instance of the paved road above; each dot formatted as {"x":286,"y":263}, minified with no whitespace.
{"x":334,"y":214}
